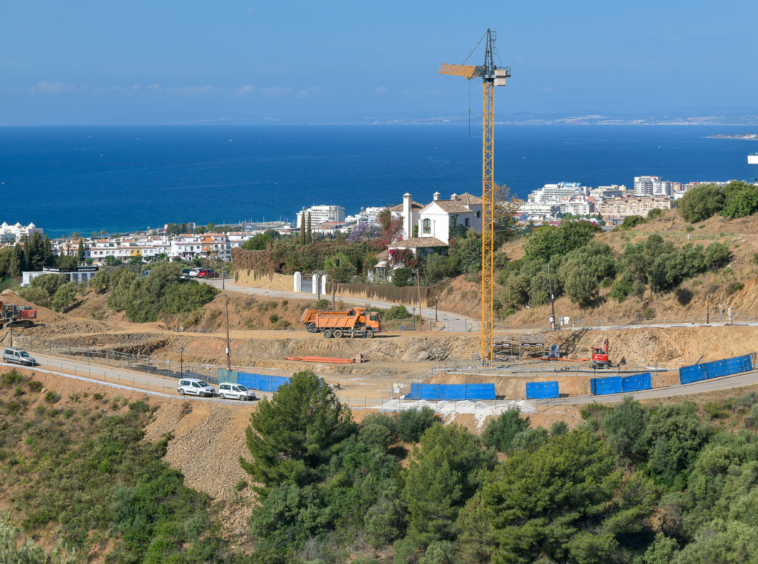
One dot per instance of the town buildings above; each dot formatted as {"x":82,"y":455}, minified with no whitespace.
{"x":320,"y":214}
{"x":633,"y":205}
{"x":9,"y":233}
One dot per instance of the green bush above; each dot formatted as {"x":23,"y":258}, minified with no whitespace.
{"x":632,"y":221}
{"x":395,"y":312}
{"x":499,"y":432}
{"x":257,"y":242}
{"x":37,"y":296}
{"x":412,"y":423}
{"x":655,"y":214}
{"x":11,"y":378}
{"x":701,"y":202}
{"x":402,"y":276}
{"x":35,"y":386}
{"x":548,"y":241}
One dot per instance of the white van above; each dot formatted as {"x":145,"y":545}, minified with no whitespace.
{"x":235,"y":391}
{"x":19,"y":356}
{"x":195,"y":387}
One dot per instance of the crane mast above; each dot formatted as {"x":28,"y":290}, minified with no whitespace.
{"x":492,"y":76}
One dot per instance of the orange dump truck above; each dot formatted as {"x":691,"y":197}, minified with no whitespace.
{"x":353,"y":323}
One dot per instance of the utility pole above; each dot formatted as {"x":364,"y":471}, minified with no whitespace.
{"x":181,"y":362}
{"x":552,"y":298}
{"x":707,"y":309}
{"x":228,"y":343}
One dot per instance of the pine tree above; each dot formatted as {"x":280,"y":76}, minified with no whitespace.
{"x":292,"y":436}
{"x":302,"y":227}
{"x":37,"y":251}
{"x":17,"y":261}
{"x":47,"y":253}
{"x":309,"y":235}
{"x":27,"y":253}
{"x":80,"y":251}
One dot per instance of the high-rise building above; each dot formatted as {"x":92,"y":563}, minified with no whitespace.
{"x":643,"y":185}
{"x":321,"y":214}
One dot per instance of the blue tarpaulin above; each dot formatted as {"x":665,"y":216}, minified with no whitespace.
{"x":605,"y":386}
{"x":480,"y":391}
{"x":715,"y":369}
{"x":262,"y":382}
{"x":451,"y":392}
{"x":542,"y":390}
{"x":636,"y":383}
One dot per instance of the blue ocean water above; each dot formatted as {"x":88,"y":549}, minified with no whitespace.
{"x":67,"y":179}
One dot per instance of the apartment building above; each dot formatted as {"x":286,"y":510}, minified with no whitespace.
{"x":626,"y":206}
{"x":320,"y":214}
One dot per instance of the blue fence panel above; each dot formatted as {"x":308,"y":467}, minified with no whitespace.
{"x":452,"y":392}
{"x":422,"y":391}
{"x":261,"y":382}
{"x":715,"y":369}
{"x":736,"y":365}
{"x":636,"y":383}
{"x":480,"y":392}
{"x":277,"y":381}
{"x":542,"y":390}
{"x":690,"y":374}
{"x":605,"y":386}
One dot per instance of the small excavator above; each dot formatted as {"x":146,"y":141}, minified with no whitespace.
{"x":600,"y":356}
{"x":17,"y":316}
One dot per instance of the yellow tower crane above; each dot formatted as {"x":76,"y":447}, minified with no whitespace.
{"x":492,"y":76}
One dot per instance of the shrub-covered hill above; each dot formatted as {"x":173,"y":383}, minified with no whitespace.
{"x":633,"y":484}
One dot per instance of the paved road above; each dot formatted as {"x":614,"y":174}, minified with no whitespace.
{"x":163,"y":385}
{"x":452,"y":321}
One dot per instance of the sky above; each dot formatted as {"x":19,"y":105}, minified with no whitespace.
{"x":186,"y":61}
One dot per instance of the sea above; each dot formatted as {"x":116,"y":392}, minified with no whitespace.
{"x":85,"y":178}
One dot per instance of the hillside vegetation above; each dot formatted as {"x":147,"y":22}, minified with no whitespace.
{"x":633,"y":484}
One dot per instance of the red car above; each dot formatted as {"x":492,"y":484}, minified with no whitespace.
{"x":207,"y":274}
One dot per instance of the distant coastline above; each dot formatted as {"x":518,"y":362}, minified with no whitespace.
{"x":749,"y":136}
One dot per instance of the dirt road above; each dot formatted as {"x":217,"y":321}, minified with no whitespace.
{"x":452,"y":321}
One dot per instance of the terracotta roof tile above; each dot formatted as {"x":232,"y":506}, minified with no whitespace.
{"x":419,"y":243}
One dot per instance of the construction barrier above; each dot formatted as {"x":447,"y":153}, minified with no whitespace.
{"x":262,"y":382}
{"x":636,"y":383}
{"x":542,"y":390}
{"x":715,"y":369}
{"x":619,"y":385}
{"x":451,"y":392}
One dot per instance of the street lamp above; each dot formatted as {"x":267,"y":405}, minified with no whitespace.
{"x":181,"y":361}
{"x":436,"y":299}
{"x":413,"y":314}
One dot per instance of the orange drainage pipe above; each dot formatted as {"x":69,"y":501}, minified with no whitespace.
{"x":324,"y":359}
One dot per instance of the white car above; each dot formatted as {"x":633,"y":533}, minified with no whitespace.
{"x":19,"y":356}
{"x":235,"y":391}
{"x":194,"y":272}
{"x":195,"y":387}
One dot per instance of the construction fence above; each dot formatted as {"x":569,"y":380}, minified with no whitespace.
{"x":542,"y":390}
{"x":620,"y":385}
{"x":451,"y":392}
{"x":715,"y":369}
{"x":259,"y":382}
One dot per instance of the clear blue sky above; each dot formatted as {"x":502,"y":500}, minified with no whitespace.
{"x":136,"y":61}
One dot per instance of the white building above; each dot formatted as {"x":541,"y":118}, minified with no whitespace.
{"x":605,"y":192}
{"x":643,"y":185}
{"x":17,"y":231}
{"x":366,"y":215}
{"x":320,"y":214}
{"x":551,"y":193}
{"x":662,"y":188}
{"x":436,"y":218}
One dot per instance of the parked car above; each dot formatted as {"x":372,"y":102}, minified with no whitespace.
{"x":196,"y":387}
{"x":186,"y":273}
{"x":19,"y":356}
{"x":207,"y":274}
{"x":235,"y":391}
{"x":195,"y":272}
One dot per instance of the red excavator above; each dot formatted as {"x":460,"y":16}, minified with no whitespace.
{"x":17,"y":316}
{"x":600,"y":356}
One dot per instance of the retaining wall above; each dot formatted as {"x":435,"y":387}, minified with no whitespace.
{"x":254,"y":279}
